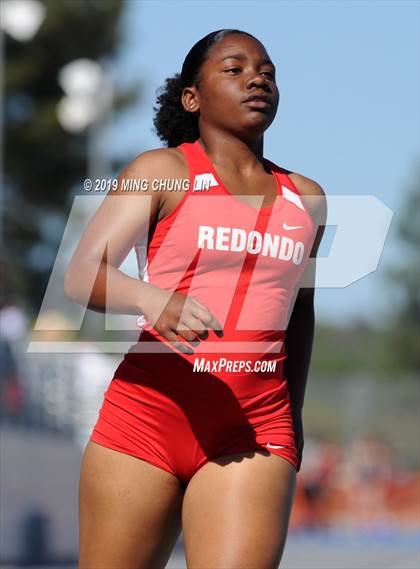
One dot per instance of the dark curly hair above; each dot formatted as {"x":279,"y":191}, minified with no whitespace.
{"x":173,"y":124}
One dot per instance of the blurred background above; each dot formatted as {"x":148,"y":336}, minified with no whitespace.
{"x":78,"y":82}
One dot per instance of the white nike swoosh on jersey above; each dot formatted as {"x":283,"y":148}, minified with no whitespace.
{"x":269,"y":445}
{"x":289,"y":227}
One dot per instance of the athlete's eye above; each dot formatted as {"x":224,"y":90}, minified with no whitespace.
{"x":233,"y":69}
{"x":269,"y":74}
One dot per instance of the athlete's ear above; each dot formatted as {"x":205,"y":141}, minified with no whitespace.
{"x":190,"y":99}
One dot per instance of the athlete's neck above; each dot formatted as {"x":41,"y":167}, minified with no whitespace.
{"x":231,"y":153}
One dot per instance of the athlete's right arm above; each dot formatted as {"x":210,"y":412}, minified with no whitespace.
{"x":93,"y":278}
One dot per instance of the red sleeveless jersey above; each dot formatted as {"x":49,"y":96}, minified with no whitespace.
{"x":242,"y":262}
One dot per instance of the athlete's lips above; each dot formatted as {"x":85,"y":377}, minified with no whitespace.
{"x":258,"y":100}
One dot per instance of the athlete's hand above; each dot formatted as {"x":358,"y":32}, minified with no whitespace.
{"x":174,"y":315}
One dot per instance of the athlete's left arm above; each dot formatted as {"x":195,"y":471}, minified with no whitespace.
{"x":300,"y":331}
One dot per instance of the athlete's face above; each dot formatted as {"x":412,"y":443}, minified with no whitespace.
{"x":237,"y":88}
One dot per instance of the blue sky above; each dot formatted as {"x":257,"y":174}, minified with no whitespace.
{"x":348,"y":74}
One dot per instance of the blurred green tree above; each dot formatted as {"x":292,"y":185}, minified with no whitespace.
{"x":44,"y":164}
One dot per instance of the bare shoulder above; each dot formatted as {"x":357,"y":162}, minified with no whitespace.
{"x":156,"y":163}
{"x":316,"y":202}
{"x":306,"y":186}
{"x":145,"y":171}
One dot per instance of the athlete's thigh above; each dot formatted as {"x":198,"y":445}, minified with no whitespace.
{"x":129,"y":511}
{"x":236,"y":512}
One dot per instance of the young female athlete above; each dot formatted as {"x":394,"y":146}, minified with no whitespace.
{"x":201,"y":425}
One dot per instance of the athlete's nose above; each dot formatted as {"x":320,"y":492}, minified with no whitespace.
{"x":257,"y":80}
